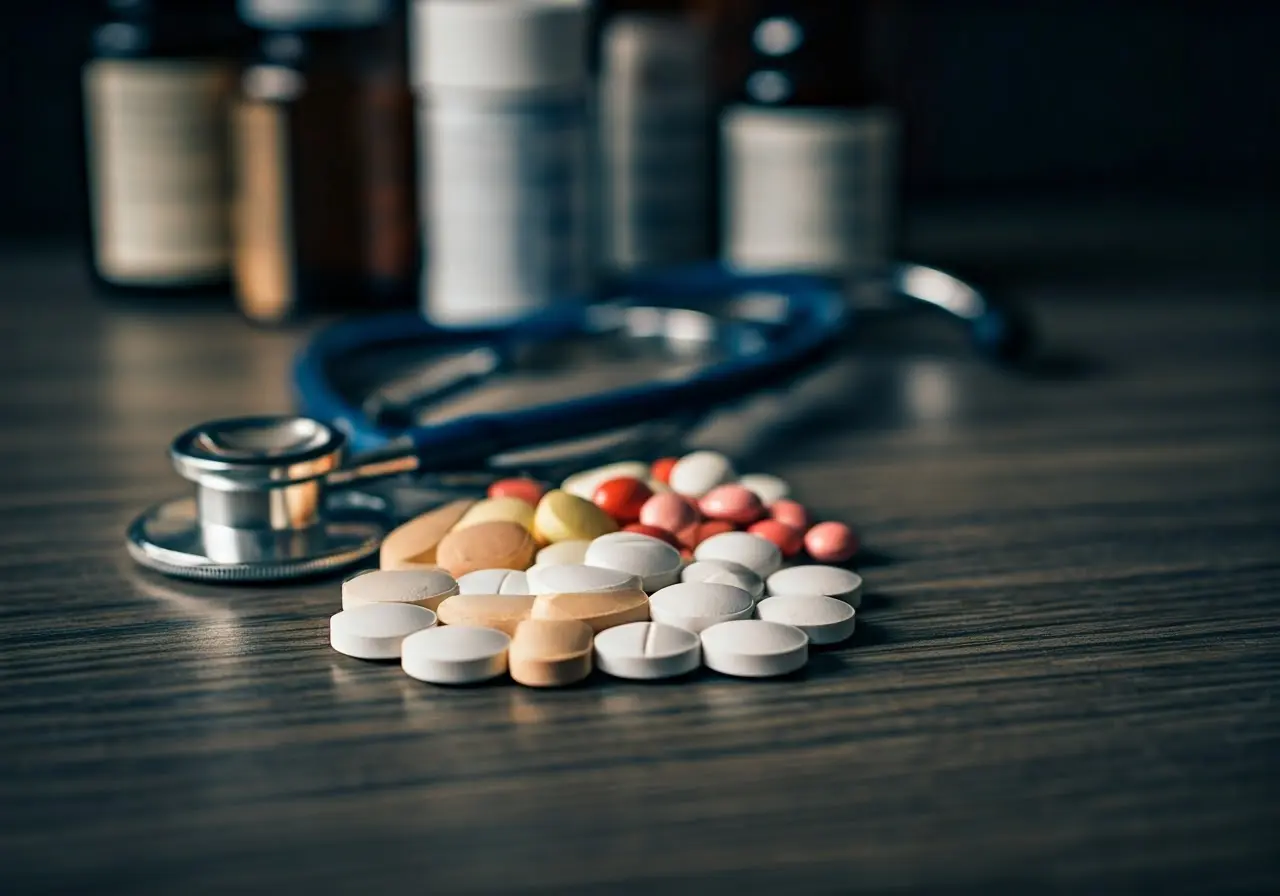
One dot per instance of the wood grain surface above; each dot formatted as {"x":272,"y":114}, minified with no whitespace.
{"x":1065,"y":675}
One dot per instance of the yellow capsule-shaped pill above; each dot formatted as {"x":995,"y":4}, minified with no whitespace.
{"x":498,"y":510}
{"x":561,"y":516}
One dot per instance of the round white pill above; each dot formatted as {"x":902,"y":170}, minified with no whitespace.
{"x":374,"y":631}
{"x":698,"y":605}
{"x":585,"y":483}
{"x":754,"y":648}
{"x":698,"y":473}
{"x":580,"y":579}
{"x":424,"y":587}
{"x":832,"y":581}
{"x":647,"y":651}
{"x":455,"y":654}
{"x":563,"y":553}
{"x":755,"y":553}
{"x":765,"y":487}
{"x":494,"y":581}
{"x":657,"y":563}
{"x":724,"y":572}
{"x":826,"y":620}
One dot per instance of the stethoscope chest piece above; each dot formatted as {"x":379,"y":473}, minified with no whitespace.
{"x":259,"y":512}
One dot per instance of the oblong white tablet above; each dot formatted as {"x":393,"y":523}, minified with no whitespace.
{"x":494,"y":581}
{"x":694,"y":606}
{"x":826,"y":620}
{"x":563,"y":553}
{"x":579,"y":578}
{"x":724,"y":572}
{"x":755,"y":553}
{"x":754,"y":648}
{"x":832,"y":581}
{"x":646,"y":651}
{"x":455,"y":654}
{"x":657,"y":563}
{"x":424,"y":587}
{"x":375,"y":631}
{"x":766,"y":487}
{"x":697,"y":473}
{"x":584,"y":483}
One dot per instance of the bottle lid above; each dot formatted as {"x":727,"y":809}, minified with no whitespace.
{"x":500,"y":44}
{"x":305,"y":14}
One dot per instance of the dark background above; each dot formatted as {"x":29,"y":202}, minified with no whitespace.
{"x":1002,"y":98}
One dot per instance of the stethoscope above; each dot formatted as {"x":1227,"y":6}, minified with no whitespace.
{"x":276,"y":498}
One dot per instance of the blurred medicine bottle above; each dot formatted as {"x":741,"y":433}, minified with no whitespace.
{"x":502,"y":89}
{"x":155,"y":93}
{"x":324,"y":211}
{"x":809,"y":153}
{"x":656,"y":133}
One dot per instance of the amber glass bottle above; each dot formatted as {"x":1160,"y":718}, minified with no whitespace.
{"x":325,"y":208}
{"x":808,"y":148}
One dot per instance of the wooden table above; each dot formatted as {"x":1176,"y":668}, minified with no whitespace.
{"x":1065,"y":674}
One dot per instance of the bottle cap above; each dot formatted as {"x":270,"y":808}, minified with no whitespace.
{"x":306,"y":14}
{"x":500,"y":44}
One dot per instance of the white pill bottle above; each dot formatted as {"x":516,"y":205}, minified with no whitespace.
{"x":502,"y":90}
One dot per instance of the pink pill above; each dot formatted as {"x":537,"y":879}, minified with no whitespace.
{"x":696,"y":535}
{"x":831,"y":542}
{"x":789,"y":541}
{"x":790,"y":513}
{"x":732,"y":503}
{"x":669,"y":511}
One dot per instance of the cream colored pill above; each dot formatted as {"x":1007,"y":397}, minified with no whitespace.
{"x":832,"y":581}
{"x":455,"y":654}
{"x":497,"y":545}
{"x":765,"y":487}
{"x":698,"y":473}
{"x":374,"y":631}
{"x":494,"y":581}
{"x":724,"y":572}
{"x":549,"y":653}
{"x":647,"y":650}
{"x":561,"y":516}
{"x":754,"y":648}
{"x":424,"y":587}
{"x":698,"y":605}
{"x":757,"y":554}
{"x":501,"y":611}
{"x":657,"y":563}
{"x":580,"y":578}
{"x":826,"y":620}
{"x":494,"y":510}
{"x":600,"y":610}
{"x":413,"y":544}
{"x":563,"y":553}
{"x":584,"y":484}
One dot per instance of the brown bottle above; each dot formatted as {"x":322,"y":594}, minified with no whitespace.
{"x":808,"y":151}
{"x":325,"y":208}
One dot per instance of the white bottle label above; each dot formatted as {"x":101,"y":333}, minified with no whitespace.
{"x":809,"y":189}
{"x":655,"y":146}
{"x":158,"y":169}
{"x":504,"y":205}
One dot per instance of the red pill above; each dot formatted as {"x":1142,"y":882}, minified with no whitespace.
{"x":528,"y":490}
{"x":670,"y":511}
{"x":622,"y":498}
{"x":790,"y":513}
{"x":696,"y":535}
{"x":831,"y":542}
{"x":660,"y":469}
{"x":789,"y":541}
{"x":733,"y":503}
{"x":653,"y":532}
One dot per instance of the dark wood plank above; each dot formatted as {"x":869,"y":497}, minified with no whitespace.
{"x":1065,"y":675}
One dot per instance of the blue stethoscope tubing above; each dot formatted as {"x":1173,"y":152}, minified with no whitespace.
{"x":761,"y":354}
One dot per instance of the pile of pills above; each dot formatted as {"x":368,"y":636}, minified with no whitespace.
{"x":643,"y":571}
